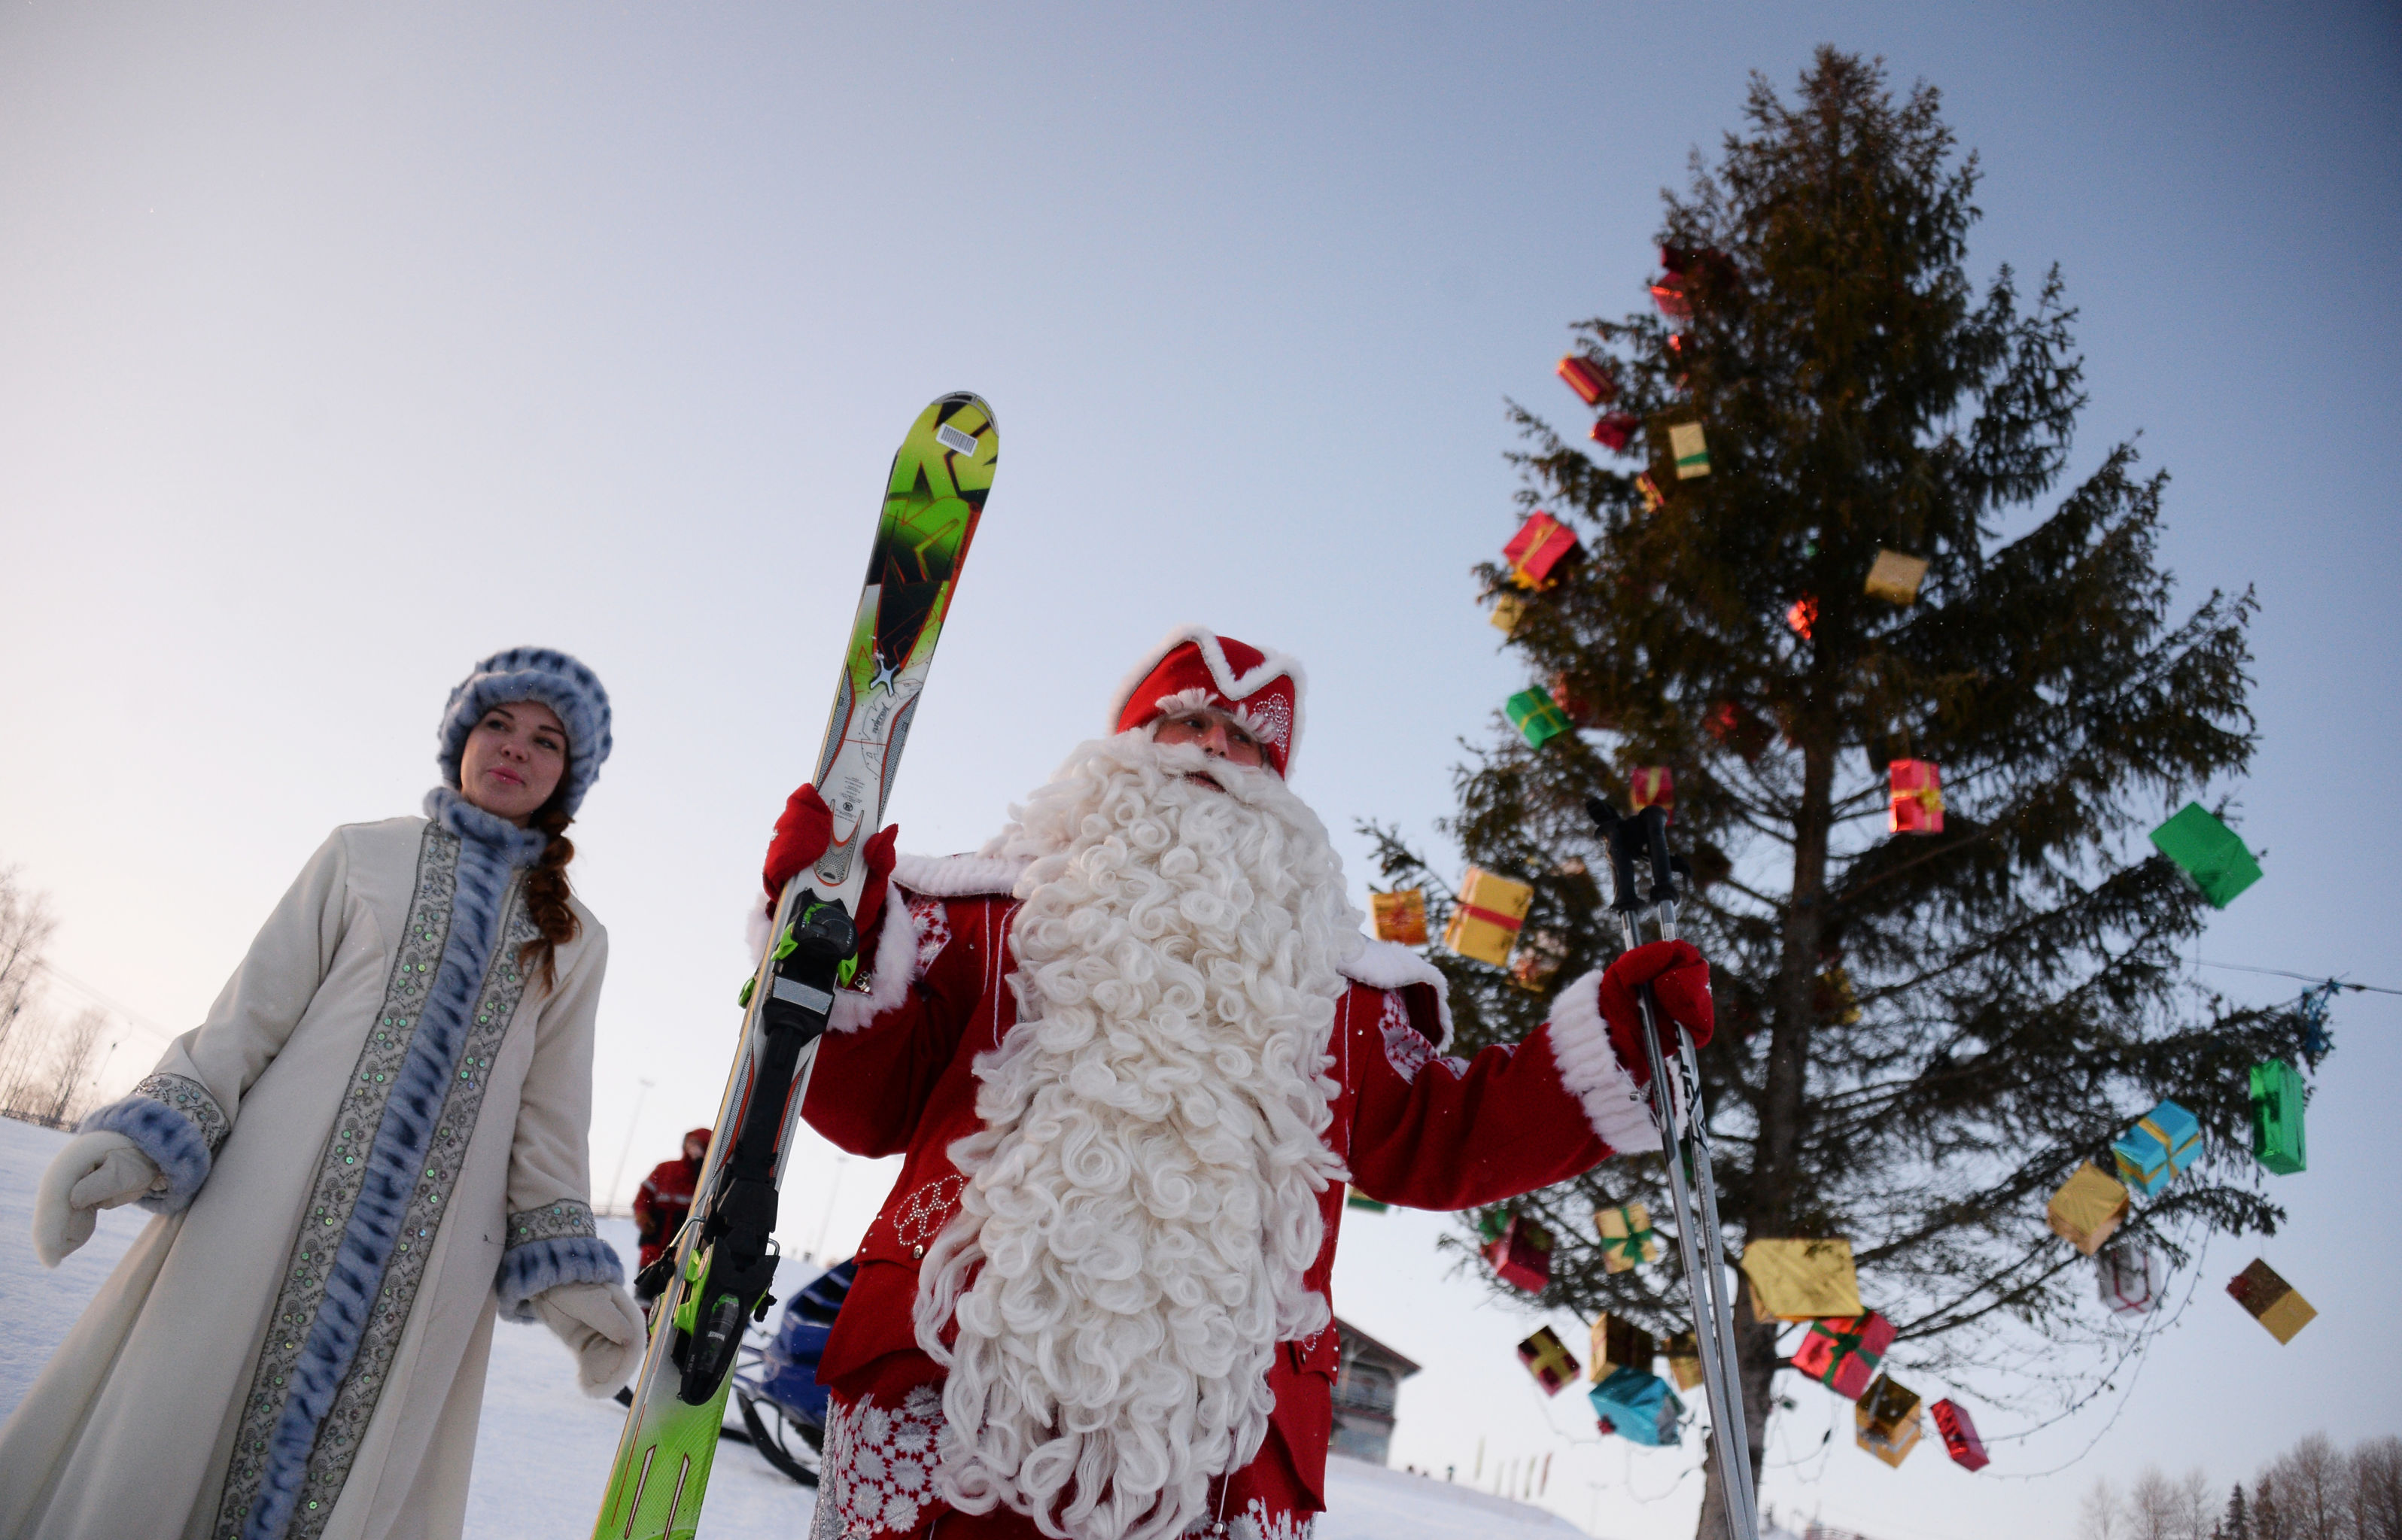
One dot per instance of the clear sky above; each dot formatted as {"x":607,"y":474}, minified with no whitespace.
{"x":342,"y":345}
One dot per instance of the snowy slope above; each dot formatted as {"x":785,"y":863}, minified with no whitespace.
{"x":542,"y":1450}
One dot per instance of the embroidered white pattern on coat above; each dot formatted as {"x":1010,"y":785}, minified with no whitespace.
{"x":1255,"y":1522}
{"x":1405,"y":1047}
{"x":878,"y":1472}
{"x":922,"y":1217}
{"x":934,"y":924}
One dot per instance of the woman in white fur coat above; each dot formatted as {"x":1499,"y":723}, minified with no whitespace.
{"x":374,"y":1142}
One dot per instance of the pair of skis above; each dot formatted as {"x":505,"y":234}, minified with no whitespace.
{"x":1676,"y":1101}
{"x":724,"y":1258}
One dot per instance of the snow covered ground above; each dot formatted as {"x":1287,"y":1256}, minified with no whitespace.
{"x":542,"y":1450}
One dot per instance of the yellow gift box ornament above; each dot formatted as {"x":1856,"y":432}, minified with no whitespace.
{"x":1894,"y":577}
{"x":1618,"y":1343}
{"x":1796,"y":1280}
{"x":1886,"y":1421}
{"x":1508,"y":611}
{"x":1399,"y":917}
{"x":1684,"y":1351}
{"x":1486,"y":921}
{"x":1626,"y":1236}
{"x":1690,"y":448}
{"x":2086,"y":1208}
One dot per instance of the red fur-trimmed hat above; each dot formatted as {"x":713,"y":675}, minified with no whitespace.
{"x":1193,"y":666}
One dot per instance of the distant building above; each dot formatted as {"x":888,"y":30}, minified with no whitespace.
{"x":1371,"y":1377}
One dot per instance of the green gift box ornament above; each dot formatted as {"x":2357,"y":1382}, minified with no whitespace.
{"x":2277,"y":1117}
{"x":1537,"y":717}
{"x":2209,"y":853}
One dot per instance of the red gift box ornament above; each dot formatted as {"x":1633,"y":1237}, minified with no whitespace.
{"x":1654,"y":499}
{"x":1669,"y":295}
{"x":1548,"y":1360}
{"x":1536,"y":551}
{"x":1652,"y":786}
{"x":1592,"y":383}
{"x":1615,"y":431}
{"x":1959,"y":1432}
{"x":1843,"y":1355}
{"x":1579,"y":709}
{"x":1917,"y":797}
{"x":1521,"y":1255}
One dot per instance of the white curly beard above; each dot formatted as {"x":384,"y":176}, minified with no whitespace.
{"x":1142,"y":1198}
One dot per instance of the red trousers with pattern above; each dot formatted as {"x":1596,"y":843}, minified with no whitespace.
{"x":882,"y":1430}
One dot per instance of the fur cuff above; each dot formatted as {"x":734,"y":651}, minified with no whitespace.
{"x":529,"y":1270}
{"x":890,"y":970}
{"x":1618,"y":1109}
{"x":177,"y":1141}
{"x":1389,"y":965}
{"x":960,"y":877}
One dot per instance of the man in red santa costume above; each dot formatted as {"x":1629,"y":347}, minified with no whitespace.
{"x":1131,"y":1052}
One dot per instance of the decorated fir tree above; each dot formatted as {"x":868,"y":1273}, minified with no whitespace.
{"x":1948,"y":962}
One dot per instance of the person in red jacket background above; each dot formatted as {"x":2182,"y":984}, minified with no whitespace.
{"x":664,"y":1199}
{"x":1131,"y":1052}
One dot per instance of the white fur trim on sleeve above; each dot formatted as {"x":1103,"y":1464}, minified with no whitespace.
{"x":890,"y":973}
{"x":957,"y":876}
{"x":1389,"y":965}
{"x":1588,"y":1067}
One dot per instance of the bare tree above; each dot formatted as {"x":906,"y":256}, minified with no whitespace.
{"x":26,"y":923}
{"x":2102,"y":1516}
{"x":2377,"y":1489}
{"x":2160,"y":1506}
{"x":2314,"y":1491}
{"x":74,"y":1047}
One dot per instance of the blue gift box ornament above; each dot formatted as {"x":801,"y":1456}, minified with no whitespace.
{"x":1638,"y":1404}
{"x":2163,"y":1142}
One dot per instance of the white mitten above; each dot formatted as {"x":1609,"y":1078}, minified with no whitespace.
{"x":601,"y":1326}
{"x":97,"y":1170}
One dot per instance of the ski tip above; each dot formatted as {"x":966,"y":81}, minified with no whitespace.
{"x":955,"y":400}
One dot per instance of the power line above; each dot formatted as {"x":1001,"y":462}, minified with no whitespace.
{"x":135,"y":1017}
{"x":2306,"y":978}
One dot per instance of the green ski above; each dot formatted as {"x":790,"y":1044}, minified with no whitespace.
{"x":726,"y":1256}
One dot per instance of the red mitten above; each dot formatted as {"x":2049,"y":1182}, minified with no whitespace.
{"x":1679,"y":980}
{"x":802,"y":836}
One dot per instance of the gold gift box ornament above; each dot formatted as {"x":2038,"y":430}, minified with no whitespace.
{"x":1894,"y":577}
{"x":1401,"y":916}
{"x":1486,"y":921}
{"x":1618,"y":1343}
{"x":1887,"y":1422}
{"x":2086,"y":1208}
{"x":1795,"y":1280}
{"x":1626,"y":1236}
{"x":2271,"y":1302}
{"x":1684,"y":1351}
{"x":1690,"y":448}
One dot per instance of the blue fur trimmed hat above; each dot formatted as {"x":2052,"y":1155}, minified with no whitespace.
{"x":533,"y":673}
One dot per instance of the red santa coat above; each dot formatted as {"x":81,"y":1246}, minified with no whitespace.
{"x":894,"y":1076}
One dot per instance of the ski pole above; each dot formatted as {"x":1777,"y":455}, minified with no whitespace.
{"x":1677,"y":1111}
